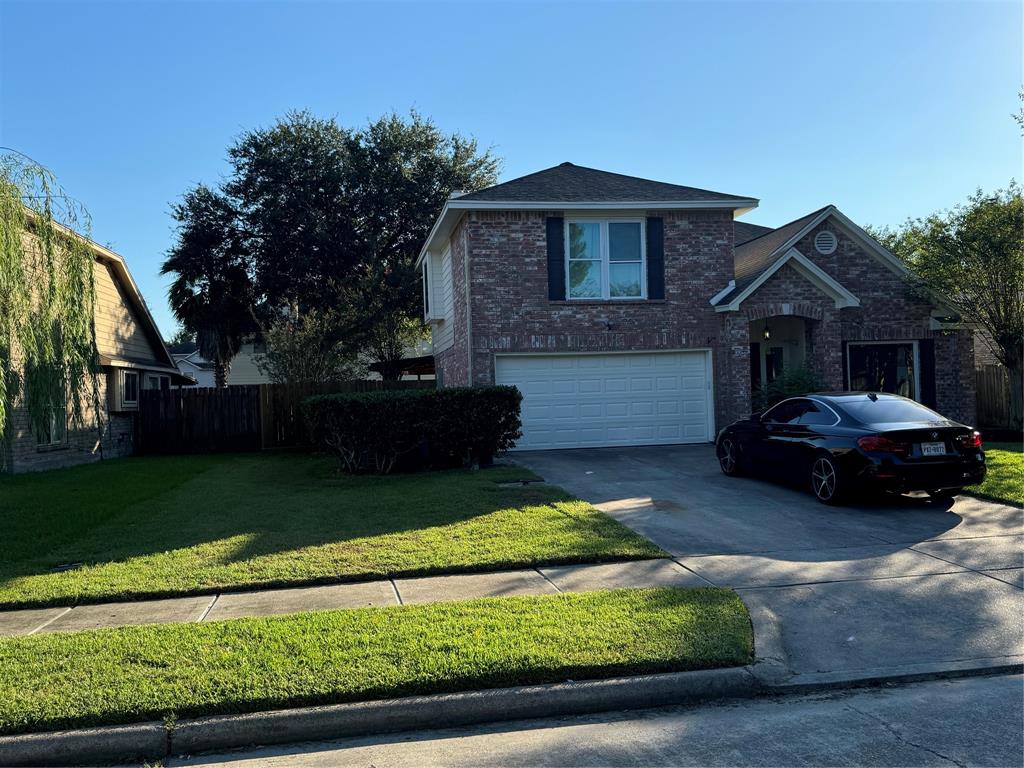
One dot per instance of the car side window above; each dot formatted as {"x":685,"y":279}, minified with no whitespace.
{"x":787,"y":412}
{"x":817,"y":414}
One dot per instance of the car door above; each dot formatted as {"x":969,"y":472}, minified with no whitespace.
{"x":783,"y":435}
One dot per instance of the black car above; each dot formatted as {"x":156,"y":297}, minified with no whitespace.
{"x":840,"y":441}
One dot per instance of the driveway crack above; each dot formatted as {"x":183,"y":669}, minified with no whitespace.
{"x":903,"y":740}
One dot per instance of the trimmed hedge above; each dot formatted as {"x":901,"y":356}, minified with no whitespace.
{"x":414,"y":429}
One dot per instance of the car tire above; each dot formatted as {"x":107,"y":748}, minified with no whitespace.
{"x":729,"y":457}
{"x":827,"y":483}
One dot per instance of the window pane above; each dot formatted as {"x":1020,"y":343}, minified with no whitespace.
{"x":886,"y":410}
{"x":624,"y":279}
{"x":882,"y":368}
{"x":584,"y":241}
{"x":584,"y":279}
{"x":58,"y":430}
{"x":624,"y":241}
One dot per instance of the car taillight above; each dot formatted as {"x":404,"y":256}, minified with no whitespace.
{"x":973,"y":440}
{"x":882,"y":444}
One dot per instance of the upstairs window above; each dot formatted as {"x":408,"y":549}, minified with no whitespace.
{"x":605,"y":259}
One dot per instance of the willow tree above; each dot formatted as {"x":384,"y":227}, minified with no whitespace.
{"x":47,"y":298}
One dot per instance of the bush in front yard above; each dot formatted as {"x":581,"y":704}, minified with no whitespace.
{"x":412,"y":429}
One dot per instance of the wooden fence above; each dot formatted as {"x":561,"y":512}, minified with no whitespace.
{"x":235,"y":418}
{"x":993,"y":396}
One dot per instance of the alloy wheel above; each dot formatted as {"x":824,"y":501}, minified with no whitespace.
{"x":823,"y":479}
{"x":728,"y":458}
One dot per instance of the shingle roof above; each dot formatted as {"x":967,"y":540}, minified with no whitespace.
{"x":754,"y":256}
{"x":746,"y":231}
{"x":568,"y":183}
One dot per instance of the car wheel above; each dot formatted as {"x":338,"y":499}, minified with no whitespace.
{"x":826,"y":482}
{"x":729,"y":457}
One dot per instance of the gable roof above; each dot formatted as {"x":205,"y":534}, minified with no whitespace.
{"x":575,"y":187}
{"x":568,"y":183}
{"x":133,"y":296}
{"x":758,"y":259}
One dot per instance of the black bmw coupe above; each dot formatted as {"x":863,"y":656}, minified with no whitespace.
{"x":839,"y":442}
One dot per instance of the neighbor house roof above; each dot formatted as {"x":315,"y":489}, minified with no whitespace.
{"x":575,"y":187}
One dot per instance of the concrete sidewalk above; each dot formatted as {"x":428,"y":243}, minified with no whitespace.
{"x":430,"y":589}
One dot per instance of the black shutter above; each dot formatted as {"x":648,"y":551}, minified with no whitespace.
{"x":655,"y":257}
{"x":926,"y":356}
{"x":556,"y":258}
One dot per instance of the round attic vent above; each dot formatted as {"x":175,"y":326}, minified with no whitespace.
{"x":825,"y":242}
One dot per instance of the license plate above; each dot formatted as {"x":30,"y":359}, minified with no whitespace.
{"x":933,"y":449}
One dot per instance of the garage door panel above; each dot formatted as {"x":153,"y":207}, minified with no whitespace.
{"x":593,"y":400}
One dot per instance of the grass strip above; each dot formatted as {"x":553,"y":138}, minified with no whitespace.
{"x":133,"y":674}
{"x":1005,"y":479}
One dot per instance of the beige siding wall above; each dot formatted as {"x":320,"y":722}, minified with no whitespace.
{"x":244,"y":369}
{"x":118,"y":332}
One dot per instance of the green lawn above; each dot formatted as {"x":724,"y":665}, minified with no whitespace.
{"x":1005,"y":478}
{"x":146,"y":527}
{"x":133,"y":674}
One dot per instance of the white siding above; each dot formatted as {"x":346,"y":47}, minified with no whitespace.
{"x":443,"y":332}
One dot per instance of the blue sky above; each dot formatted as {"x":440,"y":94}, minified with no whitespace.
{"x":888,"y":110}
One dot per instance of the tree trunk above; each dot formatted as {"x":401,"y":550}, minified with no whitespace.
{"x":391,"y":370}
{"x":221,"y":369}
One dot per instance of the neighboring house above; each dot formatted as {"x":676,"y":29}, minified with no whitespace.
{"x":195,"y":366}
{"x":244,"y":369}
{"x":132,"y":357}
{"x":635,"y":312}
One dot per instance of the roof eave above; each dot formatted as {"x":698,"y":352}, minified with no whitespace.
{"x":454,"y":208}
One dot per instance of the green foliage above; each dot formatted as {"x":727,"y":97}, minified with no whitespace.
{"x":131,"y":674}
{"x":972,"y":257}
{"x":446,"y":427}
{"x":797,"y":381}
{"x":47,"y":298}
{"x":315,"y":216}
{"x":282,"y":519}
{"x":306,"y":349}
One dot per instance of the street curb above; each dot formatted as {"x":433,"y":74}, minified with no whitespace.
{"x":907,"y":673}
{"x":154,"y":741}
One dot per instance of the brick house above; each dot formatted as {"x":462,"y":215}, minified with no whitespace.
{"x":132,"y":357}
{"x":635,"y":312}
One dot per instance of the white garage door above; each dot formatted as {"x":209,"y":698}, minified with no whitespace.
{"x":589,"y":401}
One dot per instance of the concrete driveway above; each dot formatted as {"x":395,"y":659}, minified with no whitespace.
{"x":890,"y":586}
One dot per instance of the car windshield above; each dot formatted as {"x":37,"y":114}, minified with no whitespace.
{"x":887,"y":410}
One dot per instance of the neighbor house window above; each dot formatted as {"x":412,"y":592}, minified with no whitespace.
{"x":129,"y":388}
{"x":884,"y":367}
{"x":55,"y":428}
{"x":605,"y":259}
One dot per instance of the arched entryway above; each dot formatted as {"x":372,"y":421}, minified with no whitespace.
{"x":777,"y":344}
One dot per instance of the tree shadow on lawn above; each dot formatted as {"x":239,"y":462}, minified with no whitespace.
{"x":278,"y":519}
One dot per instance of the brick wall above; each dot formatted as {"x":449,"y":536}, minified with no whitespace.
{"x":84,"y":442}
{"x":511,"y":311}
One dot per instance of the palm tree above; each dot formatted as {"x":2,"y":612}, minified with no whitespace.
{"x":212,"y":294}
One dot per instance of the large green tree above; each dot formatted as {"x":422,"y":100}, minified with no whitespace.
{"x":316,"y":217}
{"x":973,"y":257}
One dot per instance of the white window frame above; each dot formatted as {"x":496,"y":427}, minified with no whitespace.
{"x":605,"y":258}
{"x":160,"y":378}
{"x":48,"y":441}
{"x":125,"y":402}
{"x":895,"y":342}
